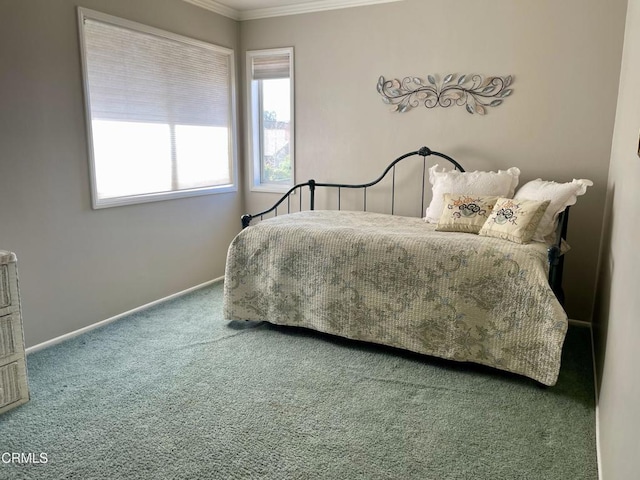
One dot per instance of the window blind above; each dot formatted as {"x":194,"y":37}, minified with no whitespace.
{"x":137,"y":76}
{"x":267,"y":67}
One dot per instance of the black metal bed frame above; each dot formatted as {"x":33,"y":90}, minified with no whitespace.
{"x":555,"y":256}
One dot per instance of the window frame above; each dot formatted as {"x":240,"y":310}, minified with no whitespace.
{"x":232,"y":186}
{"x":254,"y":122}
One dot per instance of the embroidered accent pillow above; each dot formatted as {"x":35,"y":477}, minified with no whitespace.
{"x":561,"y":195}
{"x":501,"y":184}
{"x":514,"y":220}
{"x":465,"y":213}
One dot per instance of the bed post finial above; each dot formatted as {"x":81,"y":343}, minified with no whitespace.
{"x":312,"y":192}
{"x":246,"y":220}
{"x":424,"y":151}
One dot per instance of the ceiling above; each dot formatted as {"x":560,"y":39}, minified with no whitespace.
{"x":253,"y":9}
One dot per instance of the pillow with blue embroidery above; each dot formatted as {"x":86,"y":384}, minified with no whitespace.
{"x":465,"y":213}
{"x":515,"y":220}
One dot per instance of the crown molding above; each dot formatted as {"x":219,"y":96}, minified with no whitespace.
{"x":216,"y":7}
{"x":309,"y":7}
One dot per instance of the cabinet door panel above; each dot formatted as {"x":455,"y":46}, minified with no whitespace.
{"x":13,"y":390}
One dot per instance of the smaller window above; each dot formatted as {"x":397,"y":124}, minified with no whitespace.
{"x":270,"y":119}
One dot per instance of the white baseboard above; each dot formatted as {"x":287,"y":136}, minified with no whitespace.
{"x":88,"y":328}
{"x":597,"y":395}
{"x":582,"y":323}
{"x":598,"y":454}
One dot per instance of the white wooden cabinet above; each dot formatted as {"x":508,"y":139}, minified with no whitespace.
{"x":14,"y":389}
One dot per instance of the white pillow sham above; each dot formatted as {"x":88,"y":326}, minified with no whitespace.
{"x":560,"y":196}
{"x":499,"y":184}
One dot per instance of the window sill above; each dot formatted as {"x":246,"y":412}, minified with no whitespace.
{"x":99,"y":203}
{"x":271,"y":188}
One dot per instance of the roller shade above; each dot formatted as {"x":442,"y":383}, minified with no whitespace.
{"x":138,"y":76}
{"x":266,"y":67}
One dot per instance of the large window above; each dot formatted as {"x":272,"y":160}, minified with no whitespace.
{"x":160,"y":112}
{"x":270,"y":118}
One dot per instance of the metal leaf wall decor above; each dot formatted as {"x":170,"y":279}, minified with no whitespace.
{"x":472,"y":91}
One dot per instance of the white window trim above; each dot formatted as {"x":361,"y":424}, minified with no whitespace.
{"x":97,"y":203}
{"x":254,"y":124}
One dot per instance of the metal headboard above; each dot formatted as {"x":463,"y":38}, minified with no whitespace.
{"x":424,"y":152}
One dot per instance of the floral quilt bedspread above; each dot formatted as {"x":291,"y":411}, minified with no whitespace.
{"x":396,"y":281}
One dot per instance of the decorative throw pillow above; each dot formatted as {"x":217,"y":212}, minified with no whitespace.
{"x":514,"y":220}
{"x":500,"y":184}
{"x":560,"y":196}
{"x":465,"y":213}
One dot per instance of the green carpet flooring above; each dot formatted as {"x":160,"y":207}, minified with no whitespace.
{"x":176,"y":392}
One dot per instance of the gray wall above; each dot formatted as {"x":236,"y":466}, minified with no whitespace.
{"x":78,"y":266}
{"x":617,"y":315}
{"x":565,"y":56}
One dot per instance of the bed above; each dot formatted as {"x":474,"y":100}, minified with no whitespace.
{"x":400,"y":281}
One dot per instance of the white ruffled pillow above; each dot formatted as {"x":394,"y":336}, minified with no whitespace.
{"x":561,"y":195}
{"x":499,"y":184}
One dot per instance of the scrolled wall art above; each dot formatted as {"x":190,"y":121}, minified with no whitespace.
{"x":474,"y":92}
